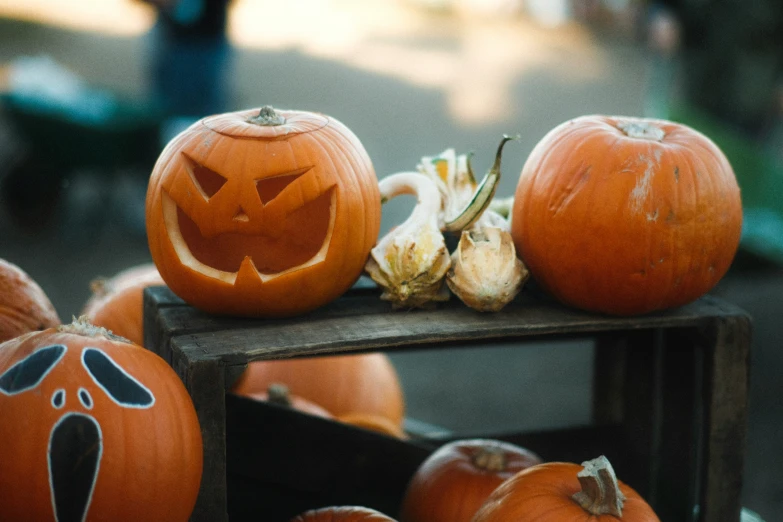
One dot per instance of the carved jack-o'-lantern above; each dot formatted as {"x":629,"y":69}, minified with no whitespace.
{"x":94,"y":428}
{"x":262,"y":213}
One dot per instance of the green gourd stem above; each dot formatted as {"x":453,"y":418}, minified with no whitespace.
{"x":483,"y":195}
{"x":266,"y":117}
{"x":600,"y":493}
{"x":490,"y":458}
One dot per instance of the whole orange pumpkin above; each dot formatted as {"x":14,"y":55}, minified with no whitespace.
{"x":117,"y":303}
{"x":626,"y":216}
{"x":262,"y":212}
{"x":560,"y":491}
{"x":94,"y":428}
{"x":24,"y":307}
{"x":453,"y":482}
{"x":343,"y":514}
{"x":343,"y":384}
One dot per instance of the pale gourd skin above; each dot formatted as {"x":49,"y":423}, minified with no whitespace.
{"x":255,"y":259}
{"x":625,"y":224}
{"x":24,"y":307}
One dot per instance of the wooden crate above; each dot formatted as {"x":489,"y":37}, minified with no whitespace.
{"x":669,"y":400}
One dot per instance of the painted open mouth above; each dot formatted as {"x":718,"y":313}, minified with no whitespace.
{"x":75,"y":450}
{"x":299,"y":241}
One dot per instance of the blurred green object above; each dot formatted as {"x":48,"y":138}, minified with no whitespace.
{"x":759,"y":175}
{"x":73,"y":124}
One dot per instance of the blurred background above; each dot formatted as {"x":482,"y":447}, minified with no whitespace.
{"x":91,"y":90}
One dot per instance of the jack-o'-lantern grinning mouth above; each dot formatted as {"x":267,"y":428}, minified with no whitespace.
{"x":299,"y":241}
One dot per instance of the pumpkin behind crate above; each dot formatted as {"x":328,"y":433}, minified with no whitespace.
{"x":117,"y":303}
{"x":343,"y":385}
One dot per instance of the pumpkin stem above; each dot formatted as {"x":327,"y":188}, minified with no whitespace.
{"x":641,"y":129}
{"x":83,"y":326}
{"x":279,"y":394}
{"x":483,"y":195}
{"x":600,"y":493}
{"x":490,"y":458}
{"x":266,"y":117}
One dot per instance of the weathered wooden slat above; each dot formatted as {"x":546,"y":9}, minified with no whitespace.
{"x":452,"y":323}
{"x":202,"y":379}
{"x":675,"y":471}
{"x":726,"y":399}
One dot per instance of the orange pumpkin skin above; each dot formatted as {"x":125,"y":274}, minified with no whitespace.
{"x":373,"y":423}
{"x":140,"y":447}
{"x":254,"y":220}
{"x":543,"y":493}
{"x":343,"y":384}
{"x":451,"y":485}
{"x":343,"y":514}
{"x":621,"y":224}
{"x":117,"y":304}
{"x":24,"y":307}
{"x":295,"y":402}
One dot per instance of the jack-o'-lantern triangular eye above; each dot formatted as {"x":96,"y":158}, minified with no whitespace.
{"x":269,"y":188}
{"x":206,"y":180}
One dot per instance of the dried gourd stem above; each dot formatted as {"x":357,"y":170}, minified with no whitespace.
{"x":490,"y":458}
{"x":279,"y":394}
{"x":483,"y":195}
{"x":600,"y":493}
{"x":266,"y":117}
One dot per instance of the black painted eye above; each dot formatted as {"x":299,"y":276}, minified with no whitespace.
{"x":58,"y":399}
{"x":85,"y":398}
{"x":116,"y":382}
{"x":207,"y":180}
{"x":30,"y":371}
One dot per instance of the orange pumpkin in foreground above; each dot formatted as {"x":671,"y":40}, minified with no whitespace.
{"x":626,"y":216}
{"x":24,"y":307}
{"x":343,"y":385}
{"x":117,"y":303}
{"x":561,"y":491}
{"x":94,"y":428}
{"x":262,"y":212}
{"x":453,"y":482}
{"x":343,"y":514}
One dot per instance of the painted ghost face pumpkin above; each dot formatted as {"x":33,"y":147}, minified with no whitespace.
{"x":262,"y":217}
{"x":94,"y":429}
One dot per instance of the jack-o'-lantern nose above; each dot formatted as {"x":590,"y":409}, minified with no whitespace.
{"x":240,"y":215}
{"x":75,"y":450}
